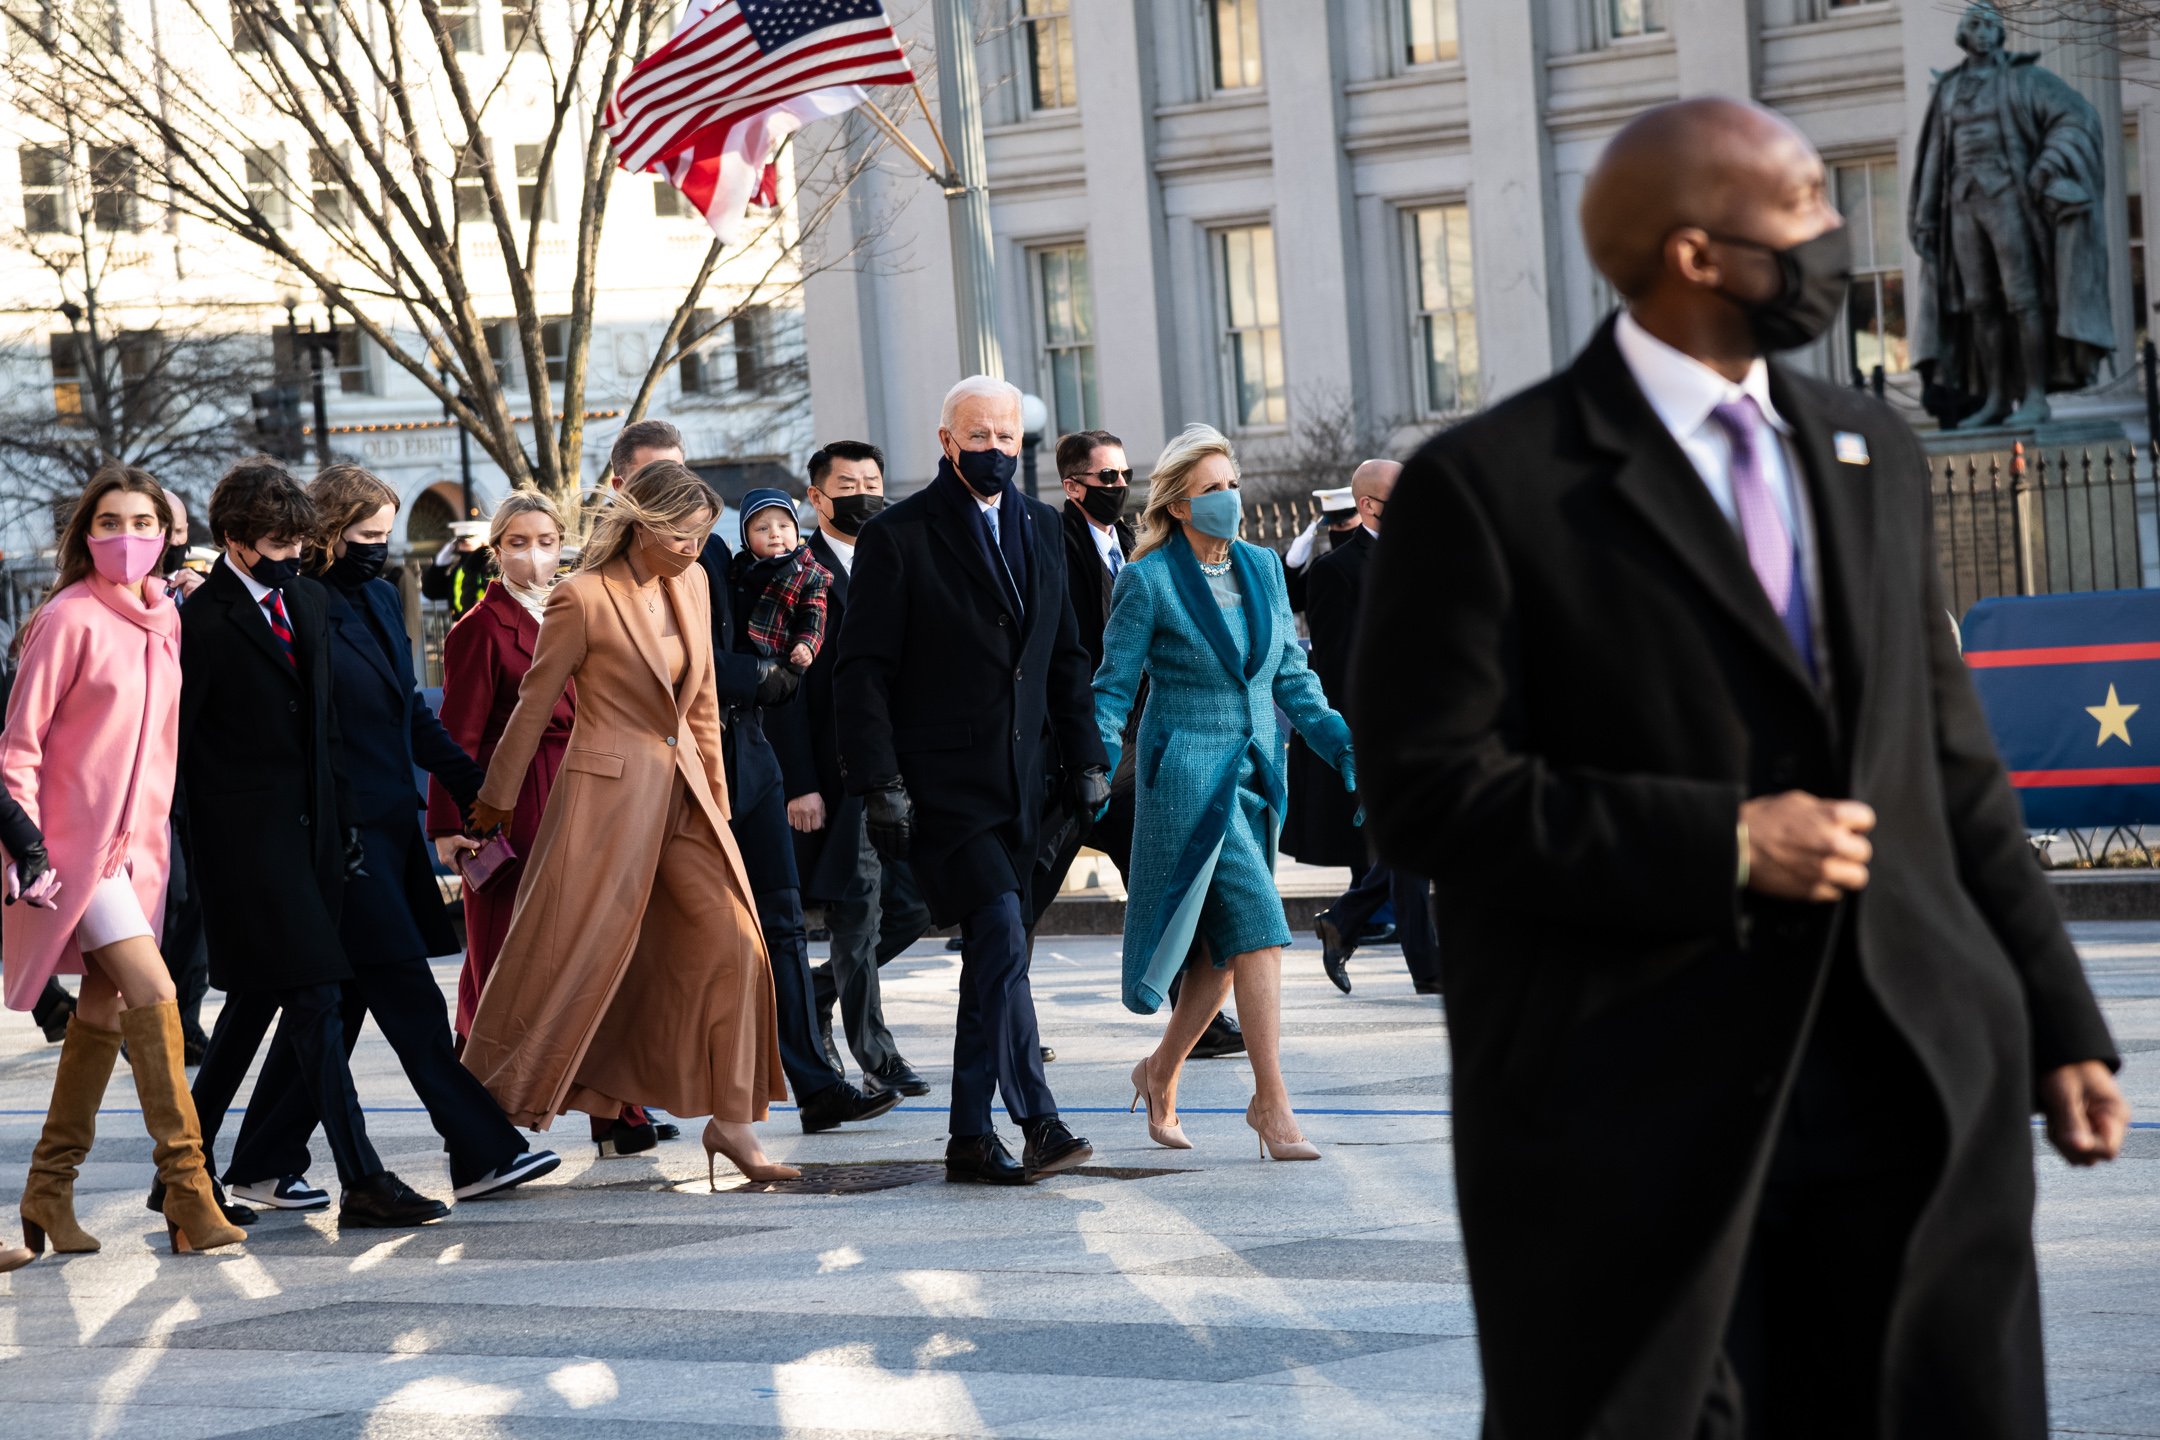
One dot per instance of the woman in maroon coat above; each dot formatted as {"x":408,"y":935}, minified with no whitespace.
{"x":485,"y":658}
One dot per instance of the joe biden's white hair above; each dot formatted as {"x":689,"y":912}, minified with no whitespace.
{"x":977,"y":386}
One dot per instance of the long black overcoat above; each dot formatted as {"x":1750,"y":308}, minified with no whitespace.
{"x":1568,"y":679}
{"x":805,"y":735}
{"x":940,"y":684}
{"x":266,"y":809}
{"x":757,"y":810}
{"x":1321,"y":825}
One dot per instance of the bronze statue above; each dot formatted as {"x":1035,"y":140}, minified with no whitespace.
{"x":2006,"y":214}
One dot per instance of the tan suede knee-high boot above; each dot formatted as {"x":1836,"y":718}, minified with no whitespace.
{"x":192,"y":1218}
{"x":48,"y":1199}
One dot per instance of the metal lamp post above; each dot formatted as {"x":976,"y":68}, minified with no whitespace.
{"x":968,"y":192}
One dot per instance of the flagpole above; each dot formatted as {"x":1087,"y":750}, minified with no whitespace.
{"x":931,"y":120}
{"x":967,"y":192}
{"x":894,"y":133}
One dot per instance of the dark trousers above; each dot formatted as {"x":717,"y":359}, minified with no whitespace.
{"x":187,"y":957}
{"x":852,"y":973}
{"x":786,"y":942}
{"x":903,"y":919}
{"x":408,"y":1008}
{"x":995,"y":1044}
{"x":1410,"y":896}
{"x":311,"y":1028}
{"x":1851,"y":1171}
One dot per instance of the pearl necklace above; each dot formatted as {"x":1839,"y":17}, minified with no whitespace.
{"x":1221,"y":567}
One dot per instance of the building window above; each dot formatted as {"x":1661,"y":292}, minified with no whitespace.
{"x":1431,"y":35}
{"x":67,"y":381}
{"x":555,"y":346}
{"x":1251,"y":327}
{"x":112,"y":188}
{"x":468,"y":184}
{"x":517,"y":23}
{"x":696,"y":372}
{"x":1630,"y":19}
{"x":1048,"y":27}
{"x":1234,"y":43}
{"x":668,"y":202}
{"x":535,"y":195}
{"x":317,"y":24}
{"x":326,"y":192}
{"x":752,"y":332}
{"x":29,"y":27}
{"x":2134,"y":197}
{"x":264,"y":170}
{"x":461,"y":22}
{"x":1867,"y":195}
{"x":354,"y":377}
{"x":44,"y":188}
{"x":249,"y":35}
{"x":506,"y":350}
{"x":1447,"y":345}
{"x":1067,"y":369}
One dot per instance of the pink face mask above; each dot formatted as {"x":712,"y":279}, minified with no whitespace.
{"x":126,"y":559}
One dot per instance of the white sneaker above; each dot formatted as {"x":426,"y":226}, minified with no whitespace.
{"x":529,"y":1166}
{"x":290,"y":1192}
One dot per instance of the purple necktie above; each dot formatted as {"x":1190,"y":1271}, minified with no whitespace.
{"x":1762,"y":528}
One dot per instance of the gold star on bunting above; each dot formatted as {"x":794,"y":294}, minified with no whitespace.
{"x":2114,"y":718}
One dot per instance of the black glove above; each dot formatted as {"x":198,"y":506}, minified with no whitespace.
{"x":889,"y":820}
{"x":1091,"y":791}
{"x":776,"y":683}
{"x":355,"y":855}
{"x":31,"y":861}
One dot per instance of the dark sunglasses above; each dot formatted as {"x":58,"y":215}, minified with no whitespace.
{"x":1102,"y":477}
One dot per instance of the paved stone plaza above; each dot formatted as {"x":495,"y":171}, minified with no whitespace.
{"x":1190,"y":1293}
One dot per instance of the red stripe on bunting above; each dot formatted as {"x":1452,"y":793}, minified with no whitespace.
{"x":2116,"y":775}
{"x":2062,"y":655}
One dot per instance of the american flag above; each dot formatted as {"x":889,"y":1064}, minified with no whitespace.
{"x":707,"y":110}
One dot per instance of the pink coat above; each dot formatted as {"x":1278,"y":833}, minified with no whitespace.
{"x":90,"y":750}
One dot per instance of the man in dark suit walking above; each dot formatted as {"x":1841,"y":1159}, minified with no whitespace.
{"x":959,"y":659}
{"x":1752,"y":981}
{"x":837,"y":862}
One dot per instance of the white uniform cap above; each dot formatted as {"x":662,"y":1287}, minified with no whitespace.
{"x":1332,"y":501}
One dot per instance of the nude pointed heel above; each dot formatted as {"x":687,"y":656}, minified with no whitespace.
{"x":1170,"y":1136}
{"x":716,"y":1145}
{"x":1298,"y":1149}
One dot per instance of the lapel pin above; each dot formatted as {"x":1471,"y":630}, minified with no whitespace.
{"x":1851,"y":448}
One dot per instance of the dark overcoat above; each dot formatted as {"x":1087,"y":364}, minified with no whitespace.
{"x":259,"y":760}
{"x":759,"y":813}
{"x":805,"y":735}
{"x":394,"y":910}
{"x":939,"y":683}
{"x":1568,"y":680}
{"x":1321,"y":828}
{"x":1087,"y":580}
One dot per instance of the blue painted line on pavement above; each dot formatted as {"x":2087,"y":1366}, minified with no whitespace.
{"x":1062,"y":1110}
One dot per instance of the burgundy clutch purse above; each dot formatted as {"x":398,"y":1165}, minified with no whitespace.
{"x":488,"y":865}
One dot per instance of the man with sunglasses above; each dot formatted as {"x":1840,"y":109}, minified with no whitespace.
{"x":1098,"y":484}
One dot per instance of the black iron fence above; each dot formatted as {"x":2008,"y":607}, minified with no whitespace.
{"x":2043,"y":522}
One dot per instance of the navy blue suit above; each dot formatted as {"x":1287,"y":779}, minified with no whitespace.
{"x":393,"y":918}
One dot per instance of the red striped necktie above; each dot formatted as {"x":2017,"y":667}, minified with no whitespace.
{"x":280,"y":626}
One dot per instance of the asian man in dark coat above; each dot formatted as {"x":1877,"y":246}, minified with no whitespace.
{"x":1752,"y":982}
{"x":958,"y":658}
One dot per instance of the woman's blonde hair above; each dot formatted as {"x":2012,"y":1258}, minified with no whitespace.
{"x":663,"y":497}
{"x":1172,"y":479}
{"x":521,"y":502}
{"x":344,"y":495}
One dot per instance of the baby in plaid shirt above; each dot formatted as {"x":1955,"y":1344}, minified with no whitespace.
{"x":779,"y":591}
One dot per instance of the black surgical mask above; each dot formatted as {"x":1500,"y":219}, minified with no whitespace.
{"x":851,"y":512}
{"x":275,"y":574}
{"x":359,"y":564}
{"x":987,"y":472}
{"x":1341,"y":537}
{"x":1815,"y":276}
{"x":175,"y":557}
{"x":1104,"y":504}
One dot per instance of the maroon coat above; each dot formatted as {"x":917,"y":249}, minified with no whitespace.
{"x":485,"y":658}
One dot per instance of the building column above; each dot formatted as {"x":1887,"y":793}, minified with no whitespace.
{"x":1136,"y":381}
{"x":1315,"y":262}
{"x":1714,"y":44}
{"x":1513,"y":223}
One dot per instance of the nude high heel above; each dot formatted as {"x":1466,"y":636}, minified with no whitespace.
{"x":1297,"y":1149}
{"x":1170,"y":1136}
{"x":716,"y":1144}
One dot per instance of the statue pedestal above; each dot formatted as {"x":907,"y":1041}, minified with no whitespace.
{"x":2050,"y":436}
{"x":2068,"y":520}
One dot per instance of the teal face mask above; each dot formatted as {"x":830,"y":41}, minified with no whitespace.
{"x":1217,"y":513}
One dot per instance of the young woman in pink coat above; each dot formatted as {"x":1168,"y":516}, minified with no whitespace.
{"x":90,"y":752}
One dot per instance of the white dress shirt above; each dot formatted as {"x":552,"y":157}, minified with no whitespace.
{"x":1105,"y":539}
{"x":843,"y":550}
{"x":255,"y":587}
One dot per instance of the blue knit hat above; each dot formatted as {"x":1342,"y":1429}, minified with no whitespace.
{"x":758,"y":500}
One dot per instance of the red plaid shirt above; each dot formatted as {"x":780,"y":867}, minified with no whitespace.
{"x":782,"y":601}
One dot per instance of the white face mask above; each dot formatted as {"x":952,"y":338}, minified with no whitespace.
{"x":532,"y":568}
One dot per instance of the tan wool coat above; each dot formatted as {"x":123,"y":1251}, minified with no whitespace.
{"x":634,"y":971}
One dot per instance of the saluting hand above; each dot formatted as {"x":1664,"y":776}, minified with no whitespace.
{"x":1802,"y":847}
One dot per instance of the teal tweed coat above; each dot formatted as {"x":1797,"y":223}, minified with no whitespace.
{"x":1210,"y":793}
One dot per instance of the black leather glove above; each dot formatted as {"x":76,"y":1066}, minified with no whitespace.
{"x":31,"y":861}
{"x":355,"y":855}
{"x":776,"y":683}
{"x":1091,"y":791}
{"x":889,"y":820}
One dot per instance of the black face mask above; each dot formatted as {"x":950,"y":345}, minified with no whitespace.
{"x":175,"y":557}
{"x":851,"y":512}
{"x":1341,"y":537}
{"x":1105,"y":504}
{"x":987,"y":472}
{"x":358,"y":565}
{"x":275,"y":574}
{"x":1815,"y":276}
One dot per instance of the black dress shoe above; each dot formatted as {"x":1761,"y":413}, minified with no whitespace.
{"x":1334,"y":951}
{"x":1427,"y":987}
{"x":662,"y":1130}
{"x":385,"y":1202}
{"x":1052,"y":1146}
{"x":1048,"y":1054}
{"x":842,"y":1104}
{"x":824,"y":1033}
{"x":1377,"y":935}
{"x":1222,"y":1037}
{"x":622,"y":1138}
{"x":898,"y":1076}
{"x":154,"y":1202}
{"x":982,"y":1160}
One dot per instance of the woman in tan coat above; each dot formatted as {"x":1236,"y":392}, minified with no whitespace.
{"x":633,"y":968}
